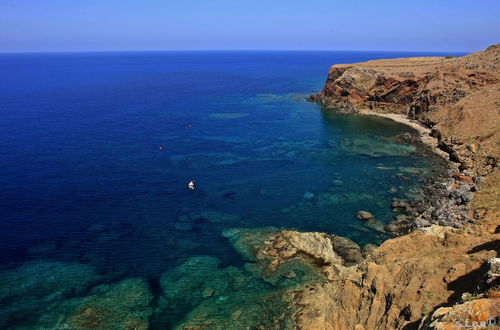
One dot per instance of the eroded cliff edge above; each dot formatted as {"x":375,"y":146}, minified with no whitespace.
{"x":435,"y":277}
{"x":456,"y":97}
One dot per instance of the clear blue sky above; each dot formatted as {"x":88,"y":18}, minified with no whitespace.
{"x":88,"y":25}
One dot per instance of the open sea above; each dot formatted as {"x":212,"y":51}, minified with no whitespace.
{"x":97,"y":149}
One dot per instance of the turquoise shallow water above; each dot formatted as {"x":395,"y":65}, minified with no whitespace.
{"x":87,"y":190}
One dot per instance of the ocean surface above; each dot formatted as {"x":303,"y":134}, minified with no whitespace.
{"x":97,"y":149}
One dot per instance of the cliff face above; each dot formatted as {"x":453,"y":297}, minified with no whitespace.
{"x":457,"y":97}
{"x":415,"y":280}
{"x":404,"y":280}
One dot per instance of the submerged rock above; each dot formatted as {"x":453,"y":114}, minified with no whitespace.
{"x":375,"y":225}
{"x":123,"y":305}
{"x":44,"y":278}
{"x":47,"y":295}
{"x":249,"y":309}
{"x":229,"y":115}
{"x":192,"y":221}
{"x":375,"y":147}
{"x":27,"y":290}
{"x":337,"y":182}
{"x":216,"y":296}
{"x":248,"y":242}
{"x":364,"y":215}
{"x":308,"y":195}
{"x":200,"y":160}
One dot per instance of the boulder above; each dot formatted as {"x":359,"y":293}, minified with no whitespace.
{"x":364,"y":215}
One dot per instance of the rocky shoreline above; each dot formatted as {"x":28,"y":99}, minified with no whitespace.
{"x":415,"y":91}
{"x":445,"y":196}
{"x":448,"y":255}
{"x":440,"y":270}
{"x":443,"y":269}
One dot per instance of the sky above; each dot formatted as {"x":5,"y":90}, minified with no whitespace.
{"x":111,"y":25}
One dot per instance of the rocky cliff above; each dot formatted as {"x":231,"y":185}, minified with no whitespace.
{"x":436,"y":277}
{"x":432,"y":278}
{"x":459,"y":98}
{"x":444,"y":273}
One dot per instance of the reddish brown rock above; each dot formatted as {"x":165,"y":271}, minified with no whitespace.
{"x":400,"y":282}
{"x":483,"y":313}
{"x":457,"y":97}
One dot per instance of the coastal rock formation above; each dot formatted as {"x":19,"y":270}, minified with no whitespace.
{"x":394,"y":287}
{"x":457,"y":97}
{"x":399,"y":283}
{"x":445,"y":270}
{"x":480,"y":313}
{"x":444,"y":201}
{"x":318,"y":249}
{"x":289,"y":244}
{"x":254,"y":296}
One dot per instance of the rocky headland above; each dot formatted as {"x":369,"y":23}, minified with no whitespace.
{"x":444,"y":272}
{"x":439,"y":270}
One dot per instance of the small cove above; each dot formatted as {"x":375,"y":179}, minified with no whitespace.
{"x":86,"y":183}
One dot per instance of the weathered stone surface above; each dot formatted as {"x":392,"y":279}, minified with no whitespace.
{"x":493,"y":275}
{"x":288,"y":244}
{"x":477,"y":314}
{"x":399,"y":282}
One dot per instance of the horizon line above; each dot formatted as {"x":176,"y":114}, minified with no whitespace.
{"x":224,"y":50}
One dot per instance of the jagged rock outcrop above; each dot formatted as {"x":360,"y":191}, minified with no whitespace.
{"x":415,"y":280}
{"x":319,"y":249}
{"x":444,"y":201}
{"x":399,"y":283}
{"x":458,"y":97}
{"x":480,"y":313}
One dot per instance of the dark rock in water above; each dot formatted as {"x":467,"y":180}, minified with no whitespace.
{"x":364,"y":215}
{"x":406,"y":138}
{"x":347,"y":250}
{"x":337,"y":182}
{"x":208,"y":292}
{"x":124,"y":305}
{"x":393,"y":190}
{"x":444,"y":202}
{"x":391,"y":228}
{"x":399,"y":204}
{"x":35,"y":286}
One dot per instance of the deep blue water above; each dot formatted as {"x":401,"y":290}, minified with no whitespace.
{"x":83,"y":178}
